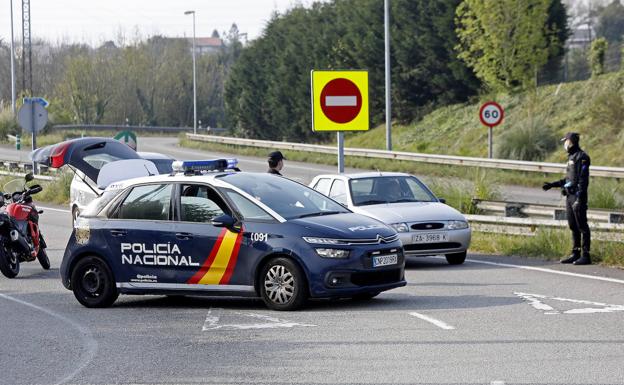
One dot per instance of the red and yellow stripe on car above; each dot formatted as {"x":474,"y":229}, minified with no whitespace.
{"x":219,"y":266}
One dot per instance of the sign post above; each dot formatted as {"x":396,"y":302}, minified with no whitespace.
{"x":339,"y":104}
{"x":32,"y":117}
{"x":491,"y":114}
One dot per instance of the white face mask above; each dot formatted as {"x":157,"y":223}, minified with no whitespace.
{"x":567,"y":144}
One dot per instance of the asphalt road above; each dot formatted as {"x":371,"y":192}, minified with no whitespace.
{"x":489,"y":321}
{"x":302,"y":172}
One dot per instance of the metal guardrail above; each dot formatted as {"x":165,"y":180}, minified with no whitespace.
{"x":105,"y":127}
{"x":523,"y":209}
{"x":528,"y":226}
{"x":504,"y":164}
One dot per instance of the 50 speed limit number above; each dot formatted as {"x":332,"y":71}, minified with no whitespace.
{"x":491,"y":114}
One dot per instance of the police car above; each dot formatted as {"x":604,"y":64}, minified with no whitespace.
{"x":206,"y":230}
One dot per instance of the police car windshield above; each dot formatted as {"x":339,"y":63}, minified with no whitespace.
{"x":96,"y":205}
{"x":287,"y":198}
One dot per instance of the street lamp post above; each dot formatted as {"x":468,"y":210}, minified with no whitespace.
{"x":12,"y":64}
{"x":194,"y":76}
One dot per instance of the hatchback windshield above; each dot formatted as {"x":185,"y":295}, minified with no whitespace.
{"x":287,"y":198}
{"x":389,"y":189}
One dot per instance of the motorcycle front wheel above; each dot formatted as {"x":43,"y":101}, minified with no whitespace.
{"x":9,"y":264}
{"x":42,"y":256}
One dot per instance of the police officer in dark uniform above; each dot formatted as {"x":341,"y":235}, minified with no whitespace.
{"x":276,"y":162}
{"x":574,"y":188}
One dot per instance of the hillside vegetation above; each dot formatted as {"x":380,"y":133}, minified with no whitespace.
{"x":532,"y":127}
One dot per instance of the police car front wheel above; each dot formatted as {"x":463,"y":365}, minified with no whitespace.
{"x":93,"y":284}
{"x":282,"y":285}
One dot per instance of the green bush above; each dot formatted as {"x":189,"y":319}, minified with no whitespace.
{"x":8,"y":124}
{"x":597,"y":55}
{"x":530,"y":139}
{"x":607,"y":109}
{"x":606,"y":194}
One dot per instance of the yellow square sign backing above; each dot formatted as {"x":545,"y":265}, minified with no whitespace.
{"x":340,"y":101}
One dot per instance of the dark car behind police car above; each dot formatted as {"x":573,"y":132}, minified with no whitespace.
{"x":227,"y":233}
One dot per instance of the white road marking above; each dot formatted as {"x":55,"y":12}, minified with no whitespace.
{"x":91,"y":345}
{"x":341,"y":101}
{"x":212,"y":322}
{"x":436,"y":322}
{"x":52,"y":209}
{"x":550,"y":271}
{"x":535,"y":300}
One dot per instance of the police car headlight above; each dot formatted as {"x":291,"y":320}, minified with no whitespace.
{"x":400,"y":227}
{"x":323,"y":241}
{"x":332,"y":253}
{"x":457,"y":225}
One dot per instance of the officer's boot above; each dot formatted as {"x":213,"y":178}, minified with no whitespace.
{"x":584,"y":260}
{"x":576,"y":254}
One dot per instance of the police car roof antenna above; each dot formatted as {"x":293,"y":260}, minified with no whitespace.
{"x":84,"y":180}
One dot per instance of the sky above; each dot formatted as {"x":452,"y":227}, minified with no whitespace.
{"x":96,"y":21}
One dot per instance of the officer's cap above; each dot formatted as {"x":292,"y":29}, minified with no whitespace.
{"x":277,"y":156}
{"x":573,"y":136}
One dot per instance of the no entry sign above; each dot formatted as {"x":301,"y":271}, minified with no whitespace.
{"x":340,"y":101}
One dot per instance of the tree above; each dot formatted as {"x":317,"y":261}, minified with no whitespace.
{"x":506,"y":42}
{"x":597,"y":54}
{"x":611,"y":22}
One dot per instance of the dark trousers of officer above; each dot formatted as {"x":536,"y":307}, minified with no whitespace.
{"x":577,"y":220}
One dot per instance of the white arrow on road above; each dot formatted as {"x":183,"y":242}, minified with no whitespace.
{"x":536,"y":300}
{"x":267,"y":322}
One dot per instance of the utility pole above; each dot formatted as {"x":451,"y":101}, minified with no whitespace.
{"x":194,"y":76}
{"x":388,"y":97}
{"x":12,"y":64}
{"x":26,"y":49}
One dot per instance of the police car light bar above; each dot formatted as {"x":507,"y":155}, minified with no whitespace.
{"x":204,"y":165}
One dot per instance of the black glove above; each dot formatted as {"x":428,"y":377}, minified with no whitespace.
{"x":547,"y":186}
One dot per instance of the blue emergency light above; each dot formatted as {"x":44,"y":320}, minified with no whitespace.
{"x":194,"y":166}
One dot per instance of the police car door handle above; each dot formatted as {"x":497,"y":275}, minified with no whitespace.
{"x":184,"y":236}
{"x":118,"y":233}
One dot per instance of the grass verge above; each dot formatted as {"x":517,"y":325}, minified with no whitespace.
{"x":56,"y":191}
{"x":549,"y":244}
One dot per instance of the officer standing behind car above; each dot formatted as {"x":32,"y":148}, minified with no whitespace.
{"x":276,"y":162}
{"x":574,"y":188}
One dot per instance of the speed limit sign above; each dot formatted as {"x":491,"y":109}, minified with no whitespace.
{"x":491,"y":114}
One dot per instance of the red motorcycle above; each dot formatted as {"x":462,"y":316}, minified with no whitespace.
{"x":20,"y":238}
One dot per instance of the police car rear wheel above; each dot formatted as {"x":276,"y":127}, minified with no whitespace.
{"x":282,"y":285}
{"x":93,"y":283}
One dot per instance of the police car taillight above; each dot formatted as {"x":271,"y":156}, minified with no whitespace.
{"x":193,"y":166}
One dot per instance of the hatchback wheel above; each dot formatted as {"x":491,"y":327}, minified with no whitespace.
{"x":283,"y":285}
{"x":456,"y":258}
{"x":93,"y":283}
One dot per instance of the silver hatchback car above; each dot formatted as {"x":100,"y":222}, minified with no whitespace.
{"x":426,"y":225}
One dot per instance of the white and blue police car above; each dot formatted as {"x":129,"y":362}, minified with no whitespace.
{"x":208,"y":230}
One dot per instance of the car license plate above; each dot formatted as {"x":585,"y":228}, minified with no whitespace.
{"x":385,"y":260}
{"x":430,"y":238}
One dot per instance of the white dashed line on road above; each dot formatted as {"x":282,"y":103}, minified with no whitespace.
{"x":436,"y":322}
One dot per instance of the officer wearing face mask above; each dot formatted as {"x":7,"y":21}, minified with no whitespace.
{"x":574,"y":188}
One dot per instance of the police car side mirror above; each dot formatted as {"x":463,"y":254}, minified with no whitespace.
{"x":224,"y":221}
{"x":441,"y":200}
